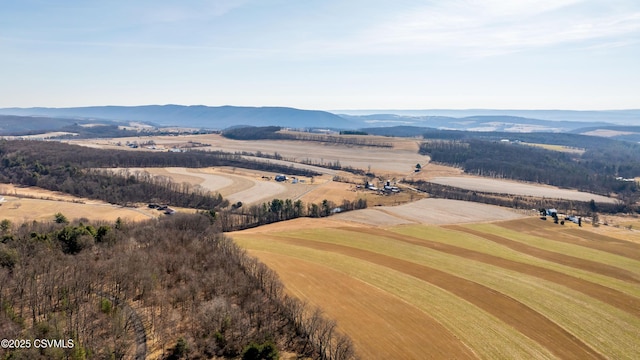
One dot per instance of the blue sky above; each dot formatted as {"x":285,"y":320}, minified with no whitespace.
{"x":348,"y":54}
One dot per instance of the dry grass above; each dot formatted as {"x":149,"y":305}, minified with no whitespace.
{"x":39,"y":193}
{"x":431,"y":170}
{"x":19,"y":210}
{"x":560,"y":148}
{"x":332,"y":191}
{"x":430,"y":211}
{"x":398,"y":161}
{"x":517,"y":188}
{"x":607,"y":133}
{"x":251,"y":187}
{"x":23,"y":204}
{"x":235,"y":185}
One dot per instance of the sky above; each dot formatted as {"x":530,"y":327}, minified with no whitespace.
{"x":325,"y":55}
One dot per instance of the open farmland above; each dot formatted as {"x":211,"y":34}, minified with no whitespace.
{"x":246,"y":186}
{"x":397,"y":160}
{"x":517,"y":188}
{"x":430,"y":211}
{"x":40,"y":205}
{"x":607,"y":133}
{"x":521,"y":288}
{"x":251,"y":187}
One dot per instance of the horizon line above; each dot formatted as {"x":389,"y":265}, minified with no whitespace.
{"x":328,"y":110}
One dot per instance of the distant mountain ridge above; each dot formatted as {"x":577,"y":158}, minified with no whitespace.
{"x":222,"y":117}
{"x":505,"y":123}
{"x":219,"y":117}
{"x":10,"y":124}
{"x":620,"y":117}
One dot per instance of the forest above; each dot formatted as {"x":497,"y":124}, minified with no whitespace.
{"x":239,"y":217}
{"x":173,"y":286}
{"x":594,"y":171}
{"x":78,"y":171}
{"x":333,"y":165}
{"x":50,"y":153}
{"x":608,"y":157}
{"x":553,"y":138}
{"x":522,"y":202}
{"x":274,"y":133}
{"x":101,"y":131}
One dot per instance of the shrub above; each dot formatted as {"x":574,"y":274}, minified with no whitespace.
{"x":265,"y":351}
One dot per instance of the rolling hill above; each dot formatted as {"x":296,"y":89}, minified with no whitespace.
{"x":195,"y":116}
{"x":221,"y":117}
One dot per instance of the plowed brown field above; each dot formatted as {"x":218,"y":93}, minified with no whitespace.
{"x":353,"y":298}
{"x":464,"y":281}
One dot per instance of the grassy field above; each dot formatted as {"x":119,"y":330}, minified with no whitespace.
{"x":501,"y":186}
{"x":561,"y":148}
{"x":514,"y":289}
{"x":40,"y":205}
{"x":398,"y":160}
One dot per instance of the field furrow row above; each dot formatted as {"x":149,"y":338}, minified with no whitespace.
{"x":521,"y":317}
{"x":486,"y":335}
{"x":535,"y":295}
{"x":607,"y":295}
{"x":579,"y":263}
{"x":576,"y":237}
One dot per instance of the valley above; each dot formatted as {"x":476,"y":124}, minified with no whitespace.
{"x":414,"y":274}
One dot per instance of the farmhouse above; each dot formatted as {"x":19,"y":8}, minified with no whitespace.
{"x":371,"y":187}
{"x":389,"y":188}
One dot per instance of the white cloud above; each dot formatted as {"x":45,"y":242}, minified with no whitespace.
{"x":490,"y":27}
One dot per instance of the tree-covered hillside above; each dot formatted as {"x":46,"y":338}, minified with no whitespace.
{"x":76,"y":170}
{"x":595,"y":170}
{"x":172,"y":288}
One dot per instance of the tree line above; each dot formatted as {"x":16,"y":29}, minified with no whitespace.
{"x":191,"y":291}
{"x":590,"y":172}
{"x":239,"y":217}
{"x":333,"y":165}
{"x":51,"y":153}
{"x":122,"y":187}
{"x":273,"y":133}
{"x":78,"y":171}
{"x":602,"y":161}
{"x":521,"y":201}
{"x":551,"y":138}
